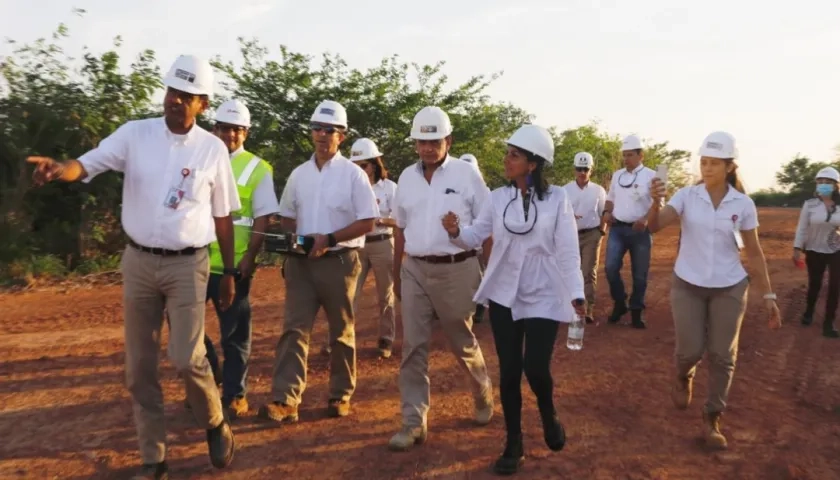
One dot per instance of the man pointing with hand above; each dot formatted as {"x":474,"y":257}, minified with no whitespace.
{"x":177,"y":177}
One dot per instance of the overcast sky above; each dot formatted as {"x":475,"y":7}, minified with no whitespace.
{"x":767,"y":73}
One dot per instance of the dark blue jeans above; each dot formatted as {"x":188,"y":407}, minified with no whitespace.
{"x":622,"y":239}
{"x":235,"y":326}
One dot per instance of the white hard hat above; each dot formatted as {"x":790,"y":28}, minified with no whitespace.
{"x":534,"y":139}
{"x":190,"y":74}
{"x":584,"y":159}
{"x":431,"y":123}
{"x":469,"y":158}
{"x":719,"y":145}
{"x":234,"y":112}
{"x":331,"y":113}
{"x":364,"y":149}
{"x":631,"y":142}
{"x":830,"y":173}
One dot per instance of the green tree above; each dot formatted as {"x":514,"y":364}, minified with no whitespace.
{"x":797,"y":178}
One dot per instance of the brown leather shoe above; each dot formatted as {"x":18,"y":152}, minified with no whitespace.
{"x":681,"y":392}
{"x":237,"y":407}
{"x":221,"y":445}
{"x":711,"y":425}
{"x":152,"y":471}
{"x":338,"y":408}
{"x":278,"y":412}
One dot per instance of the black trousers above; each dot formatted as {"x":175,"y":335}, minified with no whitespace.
{"x":539,"y":335}
{"x":817,"y":264}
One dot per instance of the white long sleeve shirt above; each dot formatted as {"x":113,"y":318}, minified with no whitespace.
{"x":813,"y":230}
{"x":536,"y":275}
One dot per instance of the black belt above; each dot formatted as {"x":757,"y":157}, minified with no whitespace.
{"x":587,"y":230}
{"x":457,"y":258}
{"x":340,"y":251}
{"x":164,"y":252}
{"x":377,"y":238}
{"x":624,"y":224}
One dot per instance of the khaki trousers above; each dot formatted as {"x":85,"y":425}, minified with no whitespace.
{"x":379,"y":257}
{"x":590,"y":253}
{"x":178,"y":283}
{"x":444,"y":291}
{"x":708,"y":319}
{"x":329,"y":282}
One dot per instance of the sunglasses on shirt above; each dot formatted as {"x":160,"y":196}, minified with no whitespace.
{"x":581,"y":169}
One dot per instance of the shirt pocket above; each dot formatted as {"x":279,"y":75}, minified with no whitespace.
{"x":338,"y":199}
{"x":452,"y":200}
{"x":197,"y":186}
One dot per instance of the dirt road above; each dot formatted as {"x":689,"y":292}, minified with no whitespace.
{"x":64,"y":412}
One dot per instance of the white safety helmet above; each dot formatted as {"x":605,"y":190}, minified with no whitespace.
{"x":719,"y":145}
{"x":431,"y":123}
{"x":234,"y":112}
{"x":364,"y":149}
{"x":829,"y":173}
{"x":331,"y":113}
{"x":469,"y":158}
{"x":534,"y":139}
{"x":190,"y":74}
{"x":632,"y":142}
{"x":584,"y":160}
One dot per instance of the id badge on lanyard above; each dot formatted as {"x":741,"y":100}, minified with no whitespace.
{"x":176,"y":193}
{"x":736,"y":232}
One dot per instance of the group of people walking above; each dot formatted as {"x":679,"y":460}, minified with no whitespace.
{"x":196,"y":206}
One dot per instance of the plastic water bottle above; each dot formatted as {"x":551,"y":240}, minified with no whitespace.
{"x":575,"y":339}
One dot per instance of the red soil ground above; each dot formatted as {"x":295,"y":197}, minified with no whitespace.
{"x":64,"y":412}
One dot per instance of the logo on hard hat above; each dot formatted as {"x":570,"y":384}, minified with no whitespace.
{"x":714,"y":145}
{"x":428,"y":129}
{"x":356,"y":153}
{"x":185,"y":75}
{"x":328,"y":111}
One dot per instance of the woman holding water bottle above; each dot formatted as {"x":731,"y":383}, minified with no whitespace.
{"x":532,"y":283}
{"x":709,"y":289}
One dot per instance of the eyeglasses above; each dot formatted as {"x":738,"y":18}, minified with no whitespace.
{"x":323,"y":128}
{"x":581,"y":169}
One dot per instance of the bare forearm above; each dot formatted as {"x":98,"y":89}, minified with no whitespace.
{"x":653,"y":218}
{"x":257,"y":237}
{"x":72,"y":171}
{"x":354,"y":230}
{"x":388,"y":222}
{"x":759,"y":262}
{"x":608,"y":206}
{"x":486,"y":248}
{"x":288,"y":224}
{"x":224,"y":235}
{"x":399,"y":250}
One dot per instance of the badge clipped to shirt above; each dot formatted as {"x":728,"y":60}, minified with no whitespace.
{"x":736,"y":232}
{"x":176,"y":194}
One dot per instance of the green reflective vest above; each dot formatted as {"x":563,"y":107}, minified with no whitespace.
{"x":248,"y":171}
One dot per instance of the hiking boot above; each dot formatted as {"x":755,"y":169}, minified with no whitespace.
{"x":152,"y":471}
{"x":221,"y":445}
{"x":828,"y":328}
{"x":711,"y":427}
{"x":553,"y":432}
{"x":483,"y":411}
{"x":681,"y":392}
{"x":278,"y":412}
{"x":407,"y":437}
{"x":512,"y":458}
{"x":638,"y":321}
{"x":237,"y":407}
{"x":618,"y":311}
{"x":338,"y":408}
{"x":384,"y":347}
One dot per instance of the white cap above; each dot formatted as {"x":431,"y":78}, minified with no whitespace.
{"x":331,"y":113}
{"x":190,"y":74}
{"x":234,"y":112}
{"x":719,"y":145}
{"x":584,"y":159}
{"x":830,"y":173}
{"x":534,"y":139}
{"x":431,"y":123}
{"x":631,"y":142}
{"x":364,"y":149}
{"x":469,"y":158}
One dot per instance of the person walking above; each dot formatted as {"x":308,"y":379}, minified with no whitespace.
{"x":588,"y":200}
{"x":818,"y":236}
{"x":378,"y":253}
{"x":178,"y":196}
{"x":478,"y":316}
{"x":328,"y":199}
{"x":437,"y":279}
{"x":625,"y":210}
{"x":710,"y":286}
{"x":532,"y":284}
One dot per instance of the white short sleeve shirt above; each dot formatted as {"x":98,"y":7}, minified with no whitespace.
{"x":630,"y":194}
{"x":587,"y":203}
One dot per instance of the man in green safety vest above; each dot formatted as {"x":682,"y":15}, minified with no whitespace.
{"x":255,"y":185}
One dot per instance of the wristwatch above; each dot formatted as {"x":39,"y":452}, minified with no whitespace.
{"x":331,"y":240}
{"x":231,"y":271}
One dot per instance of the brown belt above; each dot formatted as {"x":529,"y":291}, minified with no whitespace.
{"x":457,"y":258}
{"x":377,"y":238}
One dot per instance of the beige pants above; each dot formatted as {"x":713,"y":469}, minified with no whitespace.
{"x":329,"y":282}
{"x":379,"y":257}
{"x":708,"y":319}
{"x":179,"y":283}
{"x":590,"y":253}
{"x":444,"y":291}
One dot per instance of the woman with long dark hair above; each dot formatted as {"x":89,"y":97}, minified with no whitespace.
{"x":818,"y":235}
{"x":532,"y":283}
{"x":709,"y":289}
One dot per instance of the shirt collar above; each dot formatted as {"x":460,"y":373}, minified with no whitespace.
{"x":186,"y":138}
{"x":328,"y":162}
{"x":731,"y":194}
{"x":237,"y":151}
{"x":446,"y":162}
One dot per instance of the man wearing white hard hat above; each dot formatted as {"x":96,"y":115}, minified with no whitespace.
{"x":255,"y":184}
{"x":328,"y":200}
{"x":533,"y":281}
{"x":478,"y":316}
{"x":178,"y":197}
{"x":818,"y":235}
{"x":378,"y":252}
{"x":437,"y":279}
{"x":628,"y":201}
{"x":588,"y":200}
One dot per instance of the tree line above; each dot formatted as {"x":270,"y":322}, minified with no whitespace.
{"x":54,"y":104}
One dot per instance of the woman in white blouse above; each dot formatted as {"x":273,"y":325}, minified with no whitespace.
{"x":709,"y":289}
{"x":818,"y":235}
{"x":532,"y":283}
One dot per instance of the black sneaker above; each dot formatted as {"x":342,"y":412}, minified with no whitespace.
{"x":512,"y":458}
{"x":618,"y":311}
{"x":638,"y":321}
